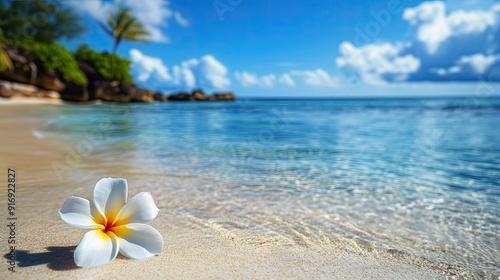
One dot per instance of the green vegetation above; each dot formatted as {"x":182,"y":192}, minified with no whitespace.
{"x":32,"y":28}
{"x":111,"y":67}
{"x":27,"y":21}
{"x":53,"y":56}
{"x":5,"y":62}
{"x":124,"y":26}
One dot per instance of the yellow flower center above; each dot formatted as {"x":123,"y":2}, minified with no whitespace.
{"x":108,"y":227}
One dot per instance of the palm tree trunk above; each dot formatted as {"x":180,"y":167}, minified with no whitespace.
{"x":115,"y":46}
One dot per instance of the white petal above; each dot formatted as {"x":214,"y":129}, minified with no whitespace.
{"x":77,"y":212}
{"x":96,"y":248}
{"x":109,"y":196}
{"x":138,"y":241}
{"x":98,"y":217}
{"x":139,"y":209}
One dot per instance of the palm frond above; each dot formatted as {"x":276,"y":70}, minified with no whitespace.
{"x":122,"y":25}
{"x":105,"y":28}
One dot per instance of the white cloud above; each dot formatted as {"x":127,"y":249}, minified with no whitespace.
{"x":98,"y":10}
{"x":247,"y":79}
{"x":268,"y":80}
{"x":434,"y":27}
{"x":318,"y":77}
{"x":462,"y":22}
{"x":206,"y":72}
{"x":180,"y":19}
{"x":287,"y":80}
{"x":446,"y":71}
{"x":250,"y":79}
{"x":154,"y":15}
{"x":376,"y":63}
{"x":212,"y":72}
{"x":479,"y":62}
{"x":183,"y":75}
{"x":456,"y":45}
{"x":472,"y":4}
{"x":430,"y":19}
{"x":148,"y":66}
{"x":156,"y":35}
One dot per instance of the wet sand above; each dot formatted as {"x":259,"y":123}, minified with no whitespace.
{"x":45,"y":244}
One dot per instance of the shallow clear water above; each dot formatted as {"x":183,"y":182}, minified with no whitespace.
{"x":413,"y":178}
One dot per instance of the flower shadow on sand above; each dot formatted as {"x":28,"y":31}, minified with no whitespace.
{"x":57,"y":258}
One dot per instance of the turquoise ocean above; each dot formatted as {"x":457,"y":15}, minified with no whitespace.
{"x":413,"y":178}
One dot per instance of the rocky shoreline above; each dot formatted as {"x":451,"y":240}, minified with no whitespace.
{"x":30,"y":80}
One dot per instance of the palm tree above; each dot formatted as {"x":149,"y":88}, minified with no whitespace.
{"x":124,"y":26}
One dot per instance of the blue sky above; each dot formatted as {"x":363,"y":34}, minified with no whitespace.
{"x":310,"y":48}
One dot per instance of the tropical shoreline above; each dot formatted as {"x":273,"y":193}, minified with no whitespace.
{"x":192,"y":250}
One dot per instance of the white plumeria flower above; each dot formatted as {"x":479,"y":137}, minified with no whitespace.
{"x":117,"y":225}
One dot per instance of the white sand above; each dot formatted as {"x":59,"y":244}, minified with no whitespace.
{"x":20,"y":100}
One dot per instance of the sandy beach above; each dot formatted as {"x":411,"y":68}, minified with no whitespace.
{"x":257,"y":139}
{"x":45,"y":244}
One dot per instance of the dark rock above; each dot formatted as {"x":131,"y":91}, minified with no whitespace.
{"x":225,"y":96}
{"x":28,"y":72}
{"x":24,"y":71}
{"x":10,"y":89}
{"x":158,"y":96}
{"x":48,"y":94}
{"x":5,"y":92}
{"x":136,"y":94}
{"x":16,"y":76}
{"x":19,"y":89}
{"x":141,"y":95}
{"x":50,"y":82}
{"x":91,"y":73}
{"x":19,"y":75}
{"x":110,"y":91}
{"x":75,"y":93}
{"x":29,"y":79}
{"x":181,"y":96}
{"x":93,"y":77}
{"x":198,"y":95}
{"x":16,"y":55}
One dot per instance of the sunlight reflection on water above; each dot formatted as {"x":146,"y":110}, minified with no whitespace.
{"x":413,"y":178}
